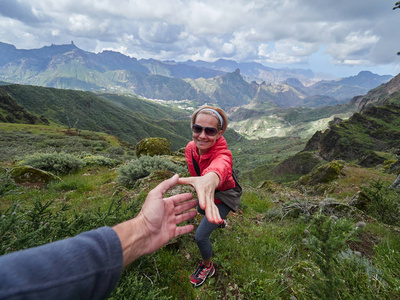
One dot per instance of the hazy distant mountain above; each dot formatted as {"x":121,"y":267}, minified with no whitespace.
{"x":178,"y":70}
{"x":342,"y":89}
{"x":379,"y":95}
{"x":224,"y":82}
{"x":254,"y":71}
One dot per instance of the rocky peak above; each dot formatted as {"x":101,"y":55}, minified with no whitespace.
{"x":378,"y":95}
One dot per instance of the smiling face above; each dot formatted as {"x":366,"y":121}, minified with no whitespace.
{"x":203,"y":141}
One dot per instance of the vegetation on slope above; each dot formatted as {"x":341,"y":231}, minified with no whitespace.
{"x":85,"y":110}
{"x":292,"y":244}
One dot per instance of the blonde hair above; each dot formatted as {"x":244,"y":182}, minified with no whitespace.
{"x":220,"y":126}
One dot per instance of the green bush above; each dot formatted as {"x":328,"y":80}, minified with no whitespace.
{"x":383,"y":203}
{"x":327,"y":238}
{"x":58,"y":163}
{"x":6,"y":182}
{"x":25,"y":225}
{"x":116,"y":150}
{"x":144,"y":166}
{"x":99,"y":160}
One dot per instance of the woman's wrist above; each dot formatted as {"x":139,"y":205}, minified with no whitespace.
{"x":213,"y":177}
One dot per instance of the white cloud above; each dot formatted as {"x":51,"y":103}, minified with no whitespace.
{"x":228,"y":48}
{"x":353,"y":47}
{"x":55,"y":32}
{"x":286,"y":32}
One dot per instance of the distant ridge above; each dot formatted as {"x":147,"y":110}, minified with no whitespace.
{"x":86,"y":110}
{"x":225,"y":83}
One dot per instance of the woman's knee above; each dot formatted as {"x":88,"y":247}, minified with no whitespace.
{"x":201,"y":239}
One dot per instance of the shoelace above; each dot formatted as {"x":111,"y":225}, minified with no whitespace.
{"x":201,"y":270}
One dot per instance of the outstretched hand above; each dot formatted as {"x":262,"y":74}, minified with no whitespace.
{"x":205,"y":187}
{"x":157,"y":222}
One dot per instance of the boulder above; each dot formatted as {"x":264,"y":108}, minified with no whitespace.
{"x":269,"y":186}
{"x":28,"y":174}
{"x":153,"y":146}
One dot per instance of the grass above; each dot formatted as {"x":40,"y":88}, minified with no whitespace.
{"x":255,"y":257}
{"x":263,"y":253}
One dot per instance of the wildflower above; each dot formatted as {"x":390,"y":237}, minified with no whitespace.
{"x":306,"y":232}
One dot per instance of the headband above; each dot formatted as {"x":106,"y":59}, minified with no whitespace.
{"x":215,"y":112}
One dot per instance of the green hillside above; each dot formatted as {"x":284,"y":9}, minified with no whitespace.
{"x":86,"y":110}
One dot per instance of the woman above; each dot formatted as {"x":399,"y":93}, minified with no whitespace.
{"x":210,"y":163}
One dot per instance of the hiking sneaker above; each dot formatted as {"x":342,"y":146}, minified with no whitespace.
{"x":201,"y":274}
{"x":224,"y":224}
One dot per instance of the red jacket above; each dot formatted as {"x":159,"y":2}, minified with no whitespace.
{"x":217,"y":159}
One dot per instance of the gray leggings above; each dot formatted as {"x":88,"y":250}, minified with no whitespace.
{"x":205,"y":229}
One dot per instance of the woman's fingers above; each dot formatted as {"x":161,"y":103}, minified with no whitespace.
{"x":205,"y":188}
{"x":213,"y":215}
{"x":187,"y":180}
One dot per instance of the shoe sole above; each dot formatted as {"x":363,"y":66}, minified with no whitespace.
{"x":200,"y":284}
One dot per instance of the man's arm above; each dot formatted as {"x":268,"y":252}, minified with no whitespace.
{"x":89,"y":265}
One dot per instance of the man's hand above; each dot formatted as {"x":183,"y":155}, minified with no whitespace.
{"x":157,"y":222}
{"x":205,"y":187}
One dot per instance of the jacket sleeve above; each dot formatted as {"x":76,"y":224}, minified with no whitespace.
{"x":222,"y":165}
{"x":87,"y":266}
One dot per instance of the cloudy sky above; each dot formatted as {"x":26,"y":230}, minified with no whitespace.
{"x":338,"y":37}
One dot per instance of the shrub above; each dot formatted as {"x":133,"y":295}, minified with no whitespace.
{"x":116,"y":150}
{"x":382,"y":203}
{"x":6,"y":182}
{"x":328,"y":237}
{"x":59,"y":163}
{"x":25,"y":225}
{"x":144,"y":166}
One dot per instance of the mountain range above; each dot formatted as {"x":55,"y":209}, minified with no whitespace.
{"x":285,"y":143}
{"x":225,"y":83}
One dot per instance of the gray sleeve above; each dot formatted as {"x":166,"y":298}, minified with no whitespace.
{"x":87,"y":266}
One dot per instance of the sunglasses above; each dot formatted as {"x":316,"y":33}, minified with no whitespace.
{"x":211,"y":131}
